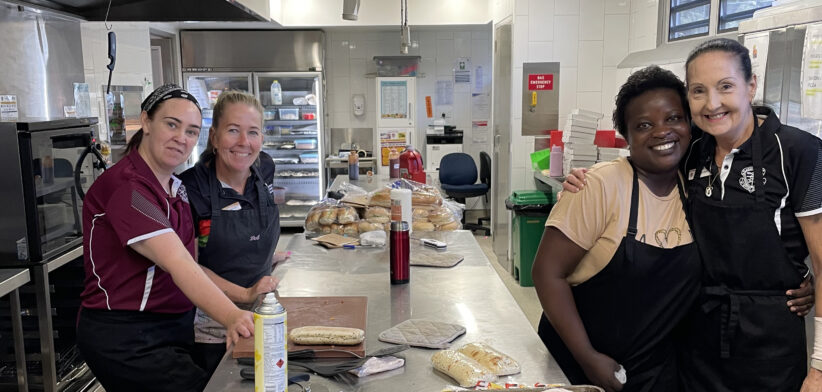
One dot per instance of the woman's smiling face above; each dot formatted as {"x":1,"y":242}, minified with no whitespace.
{"x":718,"y":94}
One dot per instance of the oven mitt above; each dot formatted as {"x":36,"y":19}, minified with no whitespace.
{"x":422,"y":333}
{"x":436,"y":259}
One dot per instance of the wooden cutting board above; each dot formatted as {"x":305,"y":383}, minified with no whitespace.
{"x":326,"y":311}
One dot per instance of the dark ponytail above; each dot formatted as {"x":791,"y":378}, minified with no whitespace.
{"x":134,"y":143}
{"x":726,"y":45}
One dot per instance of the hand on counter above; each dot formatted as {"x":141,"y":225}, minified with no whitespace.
{"x":241,"y":323}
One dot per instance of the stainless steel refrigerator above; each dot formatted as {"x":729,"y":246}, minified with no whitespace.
{"x":252,"y":60}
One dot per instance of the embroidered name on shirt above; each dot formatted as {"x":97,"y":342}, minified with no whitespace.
{"x":254,"y":238}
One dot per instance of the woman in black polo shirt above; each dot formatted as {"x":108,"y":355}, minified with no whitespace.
{"x":755,"y":196}
{"x":134,"y":327}
{"x":236,"y":221}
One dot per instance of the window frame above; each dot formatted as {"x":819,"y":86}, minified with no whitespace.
{"x":664,"y":28}
{"x":666,"y":10}
{"x":733,"y":17}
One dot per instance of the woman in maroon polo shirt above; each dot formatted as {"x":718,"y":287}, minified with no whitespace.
{"x":135,"y":325}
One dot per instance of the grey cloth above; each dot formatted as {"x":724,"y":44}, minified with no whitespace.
{"x":422,"y":333}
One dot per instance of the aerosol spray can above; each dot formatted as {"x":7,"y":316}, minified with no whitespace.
{"x":270,"y":346}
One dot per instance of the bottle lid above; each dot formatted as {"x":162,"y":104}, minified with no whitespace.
{"x":399,"y":226}
{"x":270,"y":298}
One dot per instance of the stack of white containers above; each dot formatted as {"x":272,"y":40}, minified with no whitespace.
{"x":610,"y":153}
{"x":578,"y":137}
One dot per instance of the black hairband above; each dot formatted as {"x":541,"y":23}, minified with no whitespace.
{"x":164,"y":92}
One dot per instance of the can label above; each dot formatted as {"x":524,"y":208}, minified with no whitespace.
{"x":270,"y":353}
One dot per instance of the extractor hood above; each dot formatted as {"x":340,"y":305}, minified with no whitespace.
{"x":153,"y":10}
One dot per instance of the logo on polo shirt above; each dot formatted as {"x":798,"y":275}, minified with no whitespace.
{"x":182,"y":192}
{"x":746,"y":179}
{"x":254,"y":238}
{"x":270,"y":188}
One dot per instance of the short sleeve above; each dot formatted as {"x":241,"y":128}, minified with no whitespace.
{"x":582,"y":216}
{"x":135,"y":214}
{"x":806,"y":177}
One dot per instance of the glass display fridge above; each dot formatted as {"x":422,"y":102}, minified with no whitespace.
{"x":206,"y":87}
{"x":292,"y":120}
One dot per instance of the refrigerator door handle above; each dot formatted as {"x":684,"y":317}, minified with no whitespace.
{"x":410,"y":113}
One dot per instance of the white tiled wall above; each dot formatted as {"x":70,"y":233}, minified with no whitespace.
{"x":588,"y":38}
{"x":350,"y":58}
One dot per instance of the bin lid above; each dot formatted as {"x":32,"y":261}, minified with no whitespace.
{"x":531,"y":197}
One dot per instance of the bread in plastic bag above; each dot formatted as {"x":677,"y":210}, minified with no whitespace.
{"x":466,"y":371}
{"x":493,"y":360}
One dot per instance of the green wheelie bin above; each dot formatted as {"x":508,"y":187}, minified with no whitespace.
{"x":530,"y":209}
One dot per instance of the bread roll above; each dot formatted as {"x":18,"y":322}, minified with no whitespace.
{"x":346,"y":215}
{"x":351,"y":230}
{"x":326,"y":229}
{"x":318,"y":335}
{"x":440,"y":216}
{"x":422,"y":198}
{"x":420,"y":214}
{"x":378,"y":215}
{"x":381,"y":198}
{"x":450,"y":226}
{"x":466,"y":371}
{"x":312,"y":221}
{"x":328,"y":216}
{"x":422,"y":226}
{"x":366,"y":226}
{"x":337,"y":228}
{"x":491,"y":359}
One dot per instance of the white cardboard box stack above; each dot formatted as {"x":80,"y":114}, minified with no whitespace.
{"x":578,"y":137}
{"x":611,"y":153}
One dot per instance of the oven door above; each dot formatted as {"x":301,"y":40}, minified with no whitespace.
{"x":62,"y":164}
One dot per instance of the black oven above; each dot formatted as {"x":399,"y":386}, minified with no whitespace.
{"x":46,"y":167}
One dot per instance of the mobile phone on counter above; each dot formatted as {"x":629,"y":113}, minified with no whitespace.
{"x":439,"y":245}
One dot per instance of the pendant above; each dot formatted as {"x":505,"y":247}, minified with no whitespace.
{"x":709,"y":190}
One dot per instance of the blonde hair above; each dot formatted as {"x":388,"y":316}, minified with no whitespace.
{"x":226,"y":99}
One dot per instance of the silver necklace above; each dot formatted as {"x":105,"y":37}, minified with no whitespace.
{"x":709,"y":190}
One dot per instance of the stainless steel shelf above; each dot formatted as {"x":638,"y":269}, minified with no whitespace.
{"x":11,"y":279}
{"x":64,"y":258}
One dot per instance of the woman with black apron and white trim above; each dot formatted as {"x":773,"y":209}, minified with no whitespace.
{"x":617,"y":269}
{"x":236,"y":219}
{"x":756,"y":210}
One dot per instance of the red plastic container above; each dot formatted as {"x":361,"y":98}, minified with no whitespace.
{"x":411,"y":167}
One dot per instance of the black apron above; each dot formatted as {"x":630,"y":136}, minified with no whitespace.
{"x":140,"y":351}
{"x":239,"y":249}
{"x":241,"y":243}
{"x":741,"y":335}
{"x":630,"y":308}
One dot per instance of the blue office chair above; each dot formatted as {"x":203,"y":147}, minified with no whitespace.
{"x":458,"y":174}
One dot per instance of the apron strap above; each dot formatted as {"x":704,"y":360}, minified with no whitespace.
{"x":264,"y":198}
{"x":756,"y":153}
{"x":729,"y":309}
{"x":632,"y":230}
{"x":214,"y":187}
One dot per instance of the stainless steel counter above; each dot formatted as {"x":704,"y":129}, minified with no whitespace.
{"x":546,"y":184}
{"x":10,"y":281}
{"x":470,"y":294}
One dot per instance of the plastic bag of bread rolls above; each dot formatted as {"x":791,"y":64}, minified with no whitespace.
{"x":377,"y":215}
{"x":491,"y":359}
{"x":422,"y":226}
{"x":365,"y":226}
{"x":381,"y":198}
{"x":346,"y":215}
{"x":466,"y":371}
{"x":351,"y":230}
